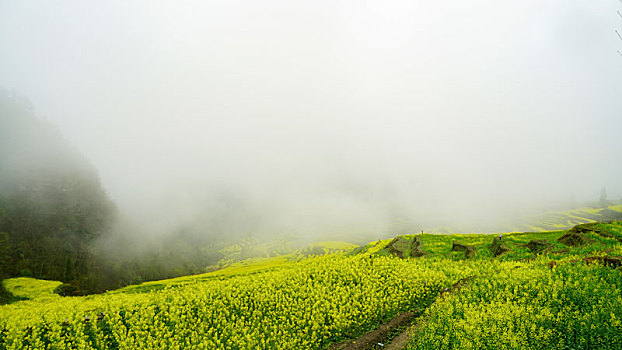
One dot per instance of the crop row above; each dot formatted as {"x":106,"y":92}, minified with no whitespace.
{"x":568,"y":306}
{"x":307,"y":305}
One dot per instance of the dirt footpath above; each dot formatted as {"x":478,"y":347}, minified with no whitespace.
{"x":376,"y":339}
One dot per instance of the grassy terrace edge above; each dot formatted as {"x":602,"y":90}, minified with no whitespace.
{"x":327,"y":299}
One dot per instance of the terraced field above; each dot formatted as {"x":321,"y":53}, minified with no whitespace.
{"x":549,"y":290}
{"x":542,"y":221}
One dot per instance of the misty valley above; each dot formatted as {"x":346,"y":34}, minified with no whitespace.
{"x":331,"y":175}
{"x":78,"y":274}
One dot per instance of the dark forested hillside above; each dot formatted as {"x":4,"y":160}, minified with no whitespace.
{"x":52,"y":204}
{"x":56,"y":221}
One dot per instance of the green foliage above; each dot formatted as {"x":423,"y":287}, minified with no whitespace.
{"x":66,"y":289}
{"x":602,"y":236}
{"x":303,"y":305}
{"x":30,"y":288}
{"x":51,"y":202}
{"x":549,"y":301}
{"x":574,"y":306}
{"x":53,"y":210}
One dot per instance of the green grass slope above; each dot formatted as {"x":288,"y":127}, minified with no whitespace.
{"x":23,"y":288}
{"x":602,"y":236}
{"x":543,"y":295}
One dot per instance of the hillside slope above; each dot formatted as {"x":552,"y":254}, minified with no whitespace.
{"x":52,"y":205}
{"x":547,"y":295}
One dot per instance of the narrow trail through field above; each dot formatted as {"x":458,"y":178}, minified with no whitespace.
{"x":401,"y":341}
{"x":371,"y":339}
{"x":384,"y":336}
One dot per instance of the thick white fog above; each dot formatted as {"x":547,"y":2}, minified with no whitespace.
{"x":325,"y":116}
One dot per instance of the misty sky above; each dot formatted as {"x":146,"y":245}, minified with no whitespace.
{"x":283,"y":114}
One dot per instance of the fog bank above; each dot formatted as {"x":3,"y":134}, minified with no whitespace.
{"x":321,"y":116}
